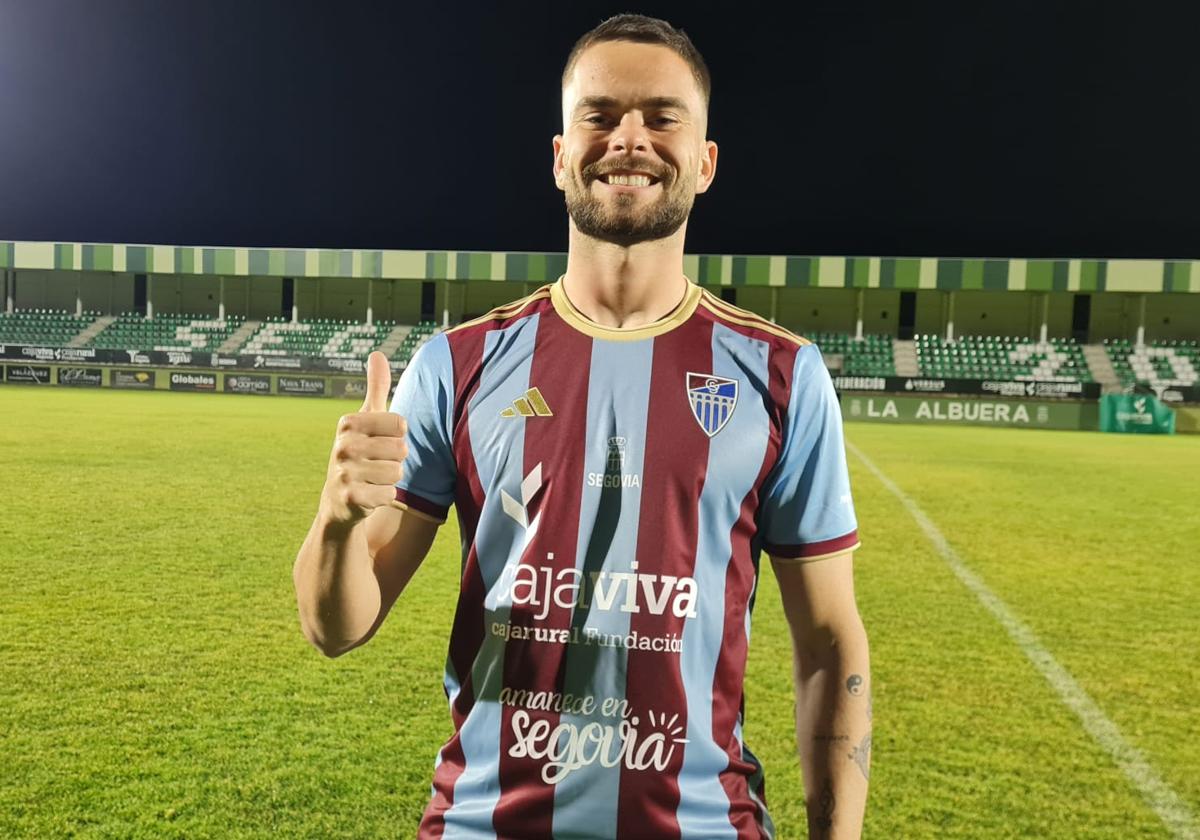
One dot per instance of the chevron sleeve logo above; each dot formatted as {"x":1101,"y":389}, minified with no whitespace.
{"x":529,"y":488}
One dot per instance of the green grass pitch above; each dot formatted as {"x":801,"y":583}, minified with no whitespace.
{"x":154,"y":682}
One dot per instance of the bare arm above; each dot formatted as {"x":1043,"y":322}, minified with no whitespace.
{"x":363,"y":546}
{"x":831,"y":668}
{"x":348,"y":577}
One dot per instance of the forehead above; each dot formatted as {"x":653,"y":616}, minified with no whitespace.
{"x":629,"y":71}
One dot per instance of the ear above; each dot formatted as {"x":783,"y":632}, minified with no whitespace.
{"x":708,"y":166}
{"x":560,"y":161}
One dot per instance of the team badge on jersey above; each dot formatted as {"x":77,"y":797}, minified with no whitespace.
{"x":712,"y":399}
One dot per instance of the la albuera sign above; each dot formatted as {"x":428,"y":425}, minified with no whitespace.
{"x":972,"y":412}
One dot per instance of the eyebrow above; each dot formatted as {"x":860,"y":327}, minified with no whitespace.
{"x":652,"y":102}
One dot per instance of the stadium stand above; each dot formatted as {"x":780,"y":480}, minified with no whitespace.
{"x":166,"y":331}
{"x":421,"y":333}
{"x":331,"y":338}
{"x":872,"y":356}
{"x":1002,"y":357}
{"x":49,"y":327}
{"x":319,"y":337}
{"x":1159,"y":364}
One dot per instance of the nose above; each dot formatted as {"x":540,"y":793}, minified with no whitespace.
{"x":630,"y":135}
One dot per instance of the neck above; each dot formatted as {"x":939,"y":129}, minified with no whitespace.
{"x":625,"y":287}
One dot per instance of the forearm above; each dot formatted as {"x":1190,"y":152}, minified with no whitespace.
{"x":336,"y":588}
{"x":833,"y":729}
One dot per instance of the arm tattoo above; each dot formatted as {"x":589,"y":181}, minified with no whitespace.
{"x":831,"y":738}
{"x":824,"y":819}
{"x":862,"y":756}
{"x":855,"y":684}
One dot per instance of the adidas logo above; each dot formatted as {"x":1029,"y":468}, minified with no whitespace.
{"x":530,"y":405}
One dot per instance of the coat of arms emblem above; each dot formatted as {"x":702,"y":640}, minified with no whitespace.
{"x":712,"y":399}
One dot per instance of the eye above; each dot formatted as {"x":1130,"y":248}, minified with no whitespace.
{"x":594,"y":119}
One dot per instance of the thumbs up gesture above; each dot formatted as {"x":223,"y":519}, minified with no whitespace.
{"x":368,"y":452}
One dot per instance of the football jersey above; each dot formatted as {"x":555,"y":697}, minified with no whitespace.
{"x":614,"y":490}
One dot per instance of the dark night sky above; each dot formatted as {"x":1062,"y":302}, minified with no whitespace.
{"x":1005,"y":129}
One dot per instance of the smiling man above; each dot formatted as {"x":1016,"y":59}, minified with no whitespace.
{"x":621,"y":447}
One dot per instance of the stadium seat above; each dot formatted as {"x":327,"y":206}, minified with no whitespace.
{"x":166,"y":331}
{"x":1002,"y":357}
{"x":335,"y":338}
{"x":42,"y":327}
{"x":870,"y":356}
{"x":1168,"y":363}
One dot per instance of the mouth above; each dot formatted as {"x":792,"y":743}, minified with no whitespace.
{"x":628,"y":180}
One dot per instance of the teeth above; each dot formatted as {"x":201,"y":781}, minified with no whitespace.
{"x":629,"y":180}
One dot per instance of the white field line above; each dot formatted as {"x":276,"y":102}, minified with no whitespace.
{"x":1172,"y":810}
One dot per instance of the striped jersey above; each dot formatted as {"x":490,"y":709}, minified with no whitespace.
{"x":614,"y":491}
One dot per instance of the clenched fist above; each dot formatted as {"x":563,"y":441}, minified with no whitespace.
{"x":368,"y":452}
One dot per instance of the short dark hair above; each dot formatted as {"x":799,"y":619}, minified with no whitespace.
{"x":644,"y":30}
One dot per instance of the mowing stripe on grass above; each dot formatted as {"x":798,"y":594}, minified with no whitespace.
{"x":1172,"y":810}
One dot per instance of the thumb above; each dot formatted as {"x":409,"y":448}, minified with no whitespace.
{"x":379,"y":381}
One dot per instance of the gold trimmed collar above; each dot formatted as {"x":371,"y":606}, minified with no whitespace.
{"x":567,"y":311}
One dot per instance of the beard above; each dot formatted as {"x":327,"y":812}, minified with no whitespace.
{"x":620,"y":220}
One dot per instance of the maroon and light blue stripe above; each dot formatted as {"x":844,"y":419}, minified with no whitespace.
{"x":735,"y":458}
{"x":618,"y":397}
{"x":497,"y":450}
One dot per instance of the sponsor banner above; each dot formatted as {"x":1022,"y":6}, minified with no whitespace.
{"x":343,"y":365}
{"x":260,"y":362}
{"x":188,"y":381}
{"x":180,"y":357}
{"x":350,"y":388}
{"x":134,"y":357}
{"x":49,"y":354}
{"x":306,"y":386}
{"x":1068,"y":390}
{"x":34,"y":374}
{"x":1135,"y":414}
{"x":1178,"y":394}
{"x":139,"y":379}
{"x":1022,"y":413}
{"x":189,"y":358}
{"x":80,"y":377}
{"x":246,"y":383}
{"x":982,"y":387}
{"x":862,"y":383}
{"x":168,"y":358}
{"x":317,"y":364}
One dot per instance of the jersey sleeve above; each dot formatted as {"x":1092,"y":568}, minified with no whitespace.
{"x":424,"y":396}
{"x":807,"y":512}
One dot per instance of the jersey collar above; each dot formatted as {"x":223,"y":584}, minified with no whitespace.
{"x":567,"y":311}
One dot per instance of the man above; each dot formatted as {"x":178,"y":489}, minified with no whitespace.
{"x":620,"y":446}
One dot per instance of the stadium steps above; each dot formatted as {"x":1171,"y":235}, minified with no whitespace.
{"x":93,"y":330}
{"x":905,"y":354}
{"x":1102,"y":368}
{"x":395,"y":338}
{"x":239,"y":337}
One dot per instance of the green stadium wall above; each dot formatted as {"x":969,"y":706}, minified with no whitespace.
{"x":806,"y":294}
{"x":966,"y":411}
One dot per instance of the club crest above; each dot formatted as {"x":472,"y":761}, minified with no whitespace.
{"x":712,"y":399}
